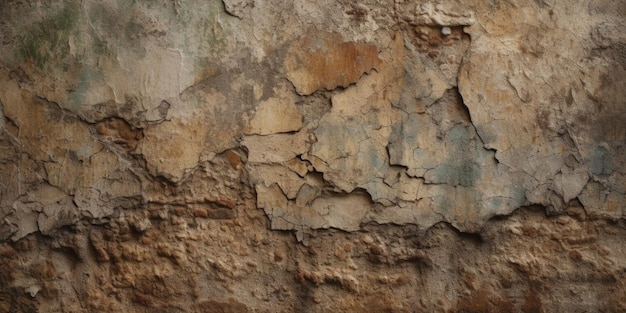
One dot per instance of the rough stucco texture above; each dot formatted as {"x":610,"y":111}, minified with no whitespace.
{"x":312,"y":156}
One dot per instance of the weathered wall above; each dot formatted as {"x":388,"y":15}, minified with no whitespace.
{"x":312,"y":156}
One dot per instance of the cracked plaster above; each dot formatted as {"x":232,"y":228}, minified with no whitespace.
{"x":171,"y":108}
{"x":395,"y":130}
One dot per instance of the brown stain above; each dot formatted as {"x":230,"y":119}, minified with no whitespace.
{"x":44,"y":270}
{"x":383,"y":302}
{"x":532,"y":302}
{"x":483,"y":301}
{"x":143,"y":299}
{"x":234,"y":159}
{"x":227,"y":203}
{"x":212,"y":306}
{"x":220,"y":214}
{"x":532,"y":43}
{"x":150,"y":236}
{"x":575,"y":255}
{"x":6,"y":251}
{"x":7,"y":271}
{"x":329,"y":63}
{"x":119,"y":131}
{"x":278,"y":257}
{"x":610,"y":126}
{"x":15,"y":300}
{"x":179,"y":211}
{"x":201,"y":212}
{"x":49,"y":289}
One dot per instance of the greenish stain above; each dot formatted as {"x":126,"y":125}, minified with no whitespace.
{"x":518,"y":197}
{"x":105,"y":25}
{"x":495,"y":204}
{"x":87,"y":75}
{"x":372,"y":157}
{"x":462,"y":166}
{"x":601,"y":163}
{"x":48,"y":39}
{"x":214,"y":33}
{"x":487,"y":133}
{"x":132,"y":33}
{"x":464,"y":174}
{"x":205,"y":29}
{"x":420,"y":154}
{"x":100,"y":46}
{"x":443,"y":204}
{"x":201,"y":30}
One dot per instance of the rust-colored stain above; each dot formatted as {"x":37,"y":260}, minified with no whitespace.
{"x":325,"y":61}
{"x":234,"y":159}
{"x":119,"y":131}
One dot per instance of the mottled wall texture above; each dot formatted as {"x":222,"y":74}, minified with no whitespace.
{"x":312,"y":156}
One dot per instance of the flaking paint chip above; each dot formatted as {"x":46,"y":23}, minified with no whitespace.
{"x":326,"y":61}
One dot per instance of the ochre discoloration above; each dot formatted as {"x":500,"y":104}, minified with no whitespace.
{"x":326,"y":61}
{"x":119,"y":131}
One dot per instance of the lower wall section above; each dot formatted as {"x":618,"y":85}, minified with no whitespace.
{"x":169,"y":260}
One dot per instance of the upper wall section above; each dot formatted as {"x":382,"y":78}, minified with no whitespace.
{"x":340,"y":114}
